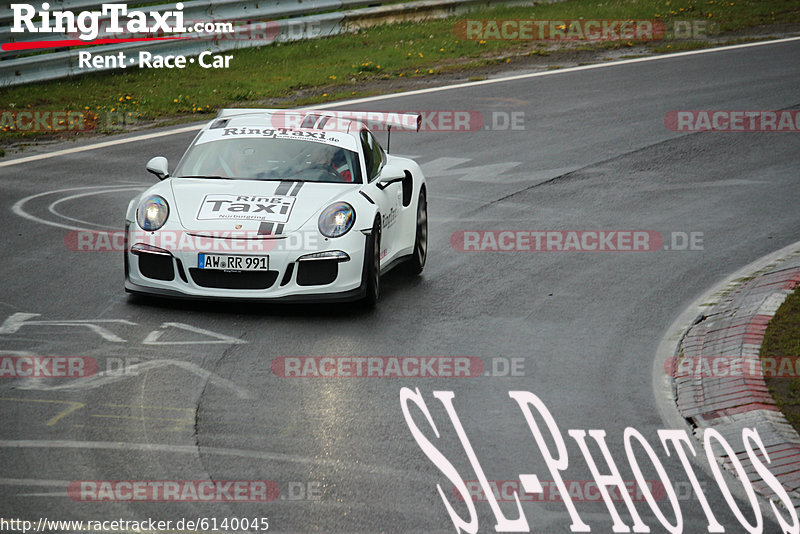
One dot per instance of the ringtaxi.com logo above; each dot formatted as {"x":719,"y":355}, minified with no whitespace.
{"x":117,"y":24}
{"x":87,"y":25}
{"x":264,"y":31}
{"x":202,"y":30}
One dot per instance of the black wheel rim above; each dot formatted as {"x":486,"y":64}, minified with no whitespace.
{"x":422,"y":230}
{"x":376,"y":260}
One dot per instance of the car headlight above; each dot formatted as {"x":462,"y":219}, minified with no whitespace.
{"x":337,"y":219}
{"x":152,"y":213}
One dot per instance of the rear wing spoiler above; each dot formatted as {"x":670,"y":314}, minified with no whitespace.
{"x":377,"y":120}
{"x":374,"y":120}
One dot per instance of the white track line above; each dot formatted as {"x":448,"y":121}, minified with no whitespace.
{"x":105,"y":378}
{"x":195,"y":127}
{"x":19,"y":206}
{"x":200,"y":451}
{"x":52,"y":207}
{"x":104,"y":144}
{"x":33,"y":482}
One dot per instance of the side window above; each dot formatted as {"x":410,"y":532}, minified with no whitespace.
{"x":380,"y":155}
{"x":374,"y":157}
{"x":369,"y":160}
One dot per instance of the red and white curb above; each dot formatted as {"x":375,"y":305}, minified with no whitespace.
{"x":729,"y":325}
{"x":734,"y":330}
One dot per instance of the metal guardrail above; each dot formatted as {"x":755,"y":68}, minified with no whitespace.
{"x":306,"y":19}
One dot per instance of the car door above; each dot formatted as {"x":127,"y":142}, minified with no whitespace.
{"x":387,"y":198}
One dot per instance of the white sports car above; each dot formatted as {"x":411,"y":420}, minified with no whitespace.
{"x":279,"y":206}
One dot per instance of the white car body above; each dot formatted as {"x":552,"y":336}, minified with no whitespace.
{"x":276,"y":217}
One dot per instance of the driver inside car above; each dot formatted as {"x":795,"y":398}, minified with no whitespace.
{"x":237,"y":161}
{"x":245,"y":163}
{"x":331,"y":159}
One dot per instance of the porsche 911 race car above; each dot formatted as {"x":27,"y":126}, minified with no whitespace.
{"x":279,"y":206}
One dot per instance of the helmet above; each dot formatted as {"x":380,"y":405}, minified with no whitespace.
{"x":245,"y":162}
{"x":321,"y":154}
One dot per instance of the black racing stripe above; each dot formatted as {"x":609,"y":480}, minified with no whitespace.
{"x":283,"y":187}
{"x":296,"y":189}
{"x":279,"y":229}
{"x":265,"y":228}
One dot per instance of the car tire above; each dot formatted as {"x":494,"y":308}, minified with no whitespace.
{"x":372,"y":265}
{"x":416,"y":263}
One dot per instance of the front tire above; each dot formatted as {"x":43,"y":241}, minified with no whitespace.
{"x":372,"y":265}
{"x":417,"y":261}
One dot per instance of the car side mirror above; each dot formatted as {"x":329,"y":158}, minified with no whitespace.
{"x":391,"y":174}
{"x":158,"y":166}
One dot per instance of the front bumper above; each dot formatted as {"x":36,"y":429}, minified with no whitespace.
{"x":172,"y":270}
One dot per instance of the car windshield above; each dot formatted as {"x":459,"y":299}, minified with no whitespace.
{"x":253,"y":158}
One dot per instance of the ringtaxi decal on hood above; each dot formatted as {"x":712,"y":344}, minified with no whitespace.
{"x":274,"y":208}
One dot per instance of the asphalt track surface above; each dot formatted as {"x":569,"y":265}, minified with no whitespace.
{"x":594,"y":155}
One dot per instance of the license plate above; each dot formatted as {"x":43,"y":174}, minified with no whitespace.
{"x":232,"y":263}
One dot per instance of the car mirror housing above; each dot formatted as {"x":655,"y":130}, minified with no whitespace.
{"x":391,"y":174}
{"x":158,"y":166}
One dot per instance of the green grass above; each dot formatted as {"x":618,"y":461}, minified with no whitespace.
{"x":782,"y":338}
{"x":320,"y":70}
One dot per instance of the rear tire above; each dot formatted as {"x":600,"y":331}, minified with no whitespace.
{"x":417,"y":261}
{"x":372,"y":266}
